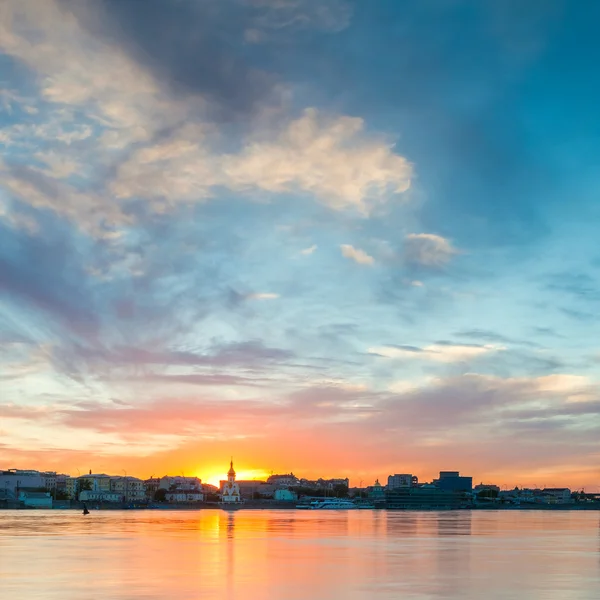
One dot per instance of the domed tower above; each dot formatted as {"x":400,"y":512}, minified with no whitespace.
{"x":231,"y":473}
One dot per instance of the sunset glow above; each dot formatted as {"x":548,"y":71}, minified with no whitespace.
{"x":340,"y":239}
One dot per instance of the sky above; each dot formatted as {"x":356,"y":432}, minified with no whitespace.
{"x":339,"y":238}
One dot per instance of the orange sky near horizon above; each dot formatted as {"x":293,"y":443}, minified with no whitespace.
{"x":253,"y":461}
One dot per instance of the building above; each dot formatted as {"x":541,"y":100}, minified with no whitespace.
{"x":131,"y":489}
{"x":376,"y":492}
{"x":71,"y":487}
{"x":285,"y":495}
{"x":451,"y":481}
{"x":49,"y":478}
{"x":35,"y":499}
{"x":151,"y":485}
{"x":230,"y":491}
{"x":424,"y":497}
{"x":556,"y":495}
{"x":61,"y":482}
{"x":16,"y":479}
{"x":184,"y":496}
{"x":283,"y":481}
{"x":180,"y":488}
{"x":486,"y":487}
{"x":404,"y":480}
{"x":179,"y":482}
{"x":90,"y":496}
{"x":324,"y":484}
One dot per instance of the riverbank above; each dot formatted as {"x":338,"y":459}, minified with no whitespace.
{"x":262,"y":505}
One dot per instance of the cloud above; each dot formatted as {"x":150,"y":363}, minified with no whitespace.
{"x":275,"y":15}
{"x":439,"y":352}
{"x":329,"y":157}
{"x":309,"y":250}
{"x":131,"y":110}
{"x":493,"y":337}
{"x":262,"y":296}
{"x":428,"y":250}
{"x":356,"y":254}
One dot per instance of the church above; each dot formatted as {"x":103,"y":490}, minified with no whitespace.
{"x":230,"y":491}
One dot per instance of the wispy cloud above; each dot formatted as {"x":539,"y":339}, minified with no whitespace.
{"x":356,"y":254}
{"x":262,"y":296}
{"x":309,"y":250}
{"x":440,"y":352}
{"x":428,"y":249}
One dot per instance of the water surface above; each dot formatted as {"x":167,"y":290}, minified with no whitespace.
{"x":295,"y":555}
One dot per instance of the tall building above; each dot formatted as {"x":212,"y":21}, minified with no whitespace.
{"x":451,"y":481}
{"x":398,"y":481}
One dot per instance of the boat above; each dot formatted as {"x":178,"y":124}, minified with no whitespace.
{"x":327,"y":504}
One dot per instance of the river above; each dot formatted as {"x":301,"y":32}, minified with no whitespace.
{"x":295,"y":555}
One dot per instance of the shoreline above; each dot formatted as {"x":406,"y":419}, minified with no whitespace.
{"x":281,"y":506}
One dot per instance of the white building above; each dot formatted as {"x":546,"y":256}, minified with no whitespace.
{"x":179,"y":482}
{"x":129,"y":488}
{"x":184,"y":496}
{"x":556,"y":495}
{"x":90,"y":496}
{"x":14,"y":479}
{"x":231,"y":490}
{"x":49,"y":478}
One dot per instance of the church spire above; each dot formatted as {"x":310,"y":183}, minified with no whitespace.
{"x":231,"y":472}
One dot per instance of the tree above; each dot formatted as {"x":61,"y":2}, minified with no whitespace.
{"x":160,"y":495}
{"x":340,"y":490}
{"x":82,"y":485}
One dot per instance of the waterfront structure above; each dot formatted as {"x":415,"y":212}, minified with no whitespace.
{"x":35,"y":499}
{"x":426,"y":496}
{"x":285,"y":495}
{"x":326,"y":504}
{"x":230,"y":491}
{"x":557,"y":495}
{"x":451,"y":481}
{"x":91,"y":496}
{"x":184,"y":496}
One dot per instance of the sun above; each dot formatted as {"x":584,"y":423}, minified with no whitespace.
{"x":214,"y":476}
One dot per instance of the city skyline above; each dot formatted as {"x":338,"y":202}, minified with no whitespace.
{"x":339,"y":236}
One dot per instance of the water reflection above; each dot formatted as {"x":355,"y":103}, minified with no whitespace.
{"x":296,"y":555}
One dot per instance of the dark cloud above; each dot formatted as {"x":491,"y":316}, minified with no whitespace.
{"x":192,"y":48}
{"x":582,"y":286}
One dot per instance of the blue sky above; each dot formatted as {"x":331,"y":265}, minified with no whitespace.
{"x":362,"y":233}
